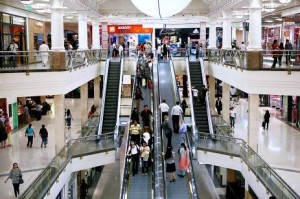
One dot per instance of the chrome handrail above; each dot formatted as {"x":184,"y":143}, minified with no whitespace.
{"x":210,"y":124}
{"x":238,"y":147}
{"x":175,"y":87}
{"x":119,"y":98}
{"x":103,"y":98}
{"x":194,"y":128}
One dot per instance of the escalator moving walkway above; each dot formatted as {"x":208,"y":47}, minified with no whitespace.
{"x":199,"y":111}
{"x":111,"y":100}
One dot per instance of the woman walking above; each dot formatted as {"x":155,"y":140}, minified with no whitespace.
{"x":170,"y":161}
{"x":16,"y":177}
{"x":68,"y":118}
{"x":30,"y":134}
{"x":266,"y":120}
{"x":184,"y":160}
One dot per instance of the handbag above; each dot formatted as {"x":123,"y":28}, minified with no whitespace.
{"x":21,"y":181}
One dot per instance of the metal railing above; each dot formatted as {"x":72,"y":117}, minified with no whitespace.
{"x":90,"y":126}
{"x":78,"y":58}
{"x":286,"y":59}
{"x":237,"y":147}
{"x":74,"y":148}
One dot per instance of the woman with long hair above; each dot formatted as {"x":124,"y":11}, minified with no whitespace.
{"x":68,"y":118}
{"x":16,"y":177}
{"x":184,"y":160}
{"x":170,"y":161}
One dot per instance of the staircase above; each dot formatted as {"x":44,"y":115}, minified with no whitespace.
{"x":199,"y":112}
{"x":112,"y":97}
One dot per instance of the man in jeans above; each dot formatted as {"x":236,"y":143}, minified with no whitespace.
{"x":44,"y":136}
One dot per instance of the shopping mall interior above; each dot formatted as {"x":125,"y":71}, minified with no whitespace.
{"x":228,"y":71}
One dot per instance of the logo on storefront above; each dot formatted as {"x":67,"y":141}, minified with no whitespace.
{"x":123,"y":27}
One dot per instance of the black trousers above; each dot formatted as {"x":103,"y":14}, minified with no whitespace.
{"x":30,"y":141}
{"x":136,"y":138}
{"x":274,"y":61}
{"x":163,"y":114}
{"x":135,"y":164}
{"x":169,"y":138}
{"x":175,"y":121}
{"x":16,"y":189}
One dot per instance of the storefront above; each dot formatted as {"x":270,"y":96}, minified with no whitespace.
{"x":130,"y":35}
{"x":269,"y":34}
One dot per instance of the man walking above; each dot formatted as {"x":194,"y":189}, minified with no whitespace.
{"x":176,"y":112}
{"x":43,"y":49}
{"x":164,"y":109}
{"x":44,"y":136}
{"x":219,"y":105}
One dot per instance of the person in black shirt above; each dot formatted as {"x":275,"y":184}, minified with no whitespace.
{"x":44,"y":136}
{"x":145,"y":114}
{"x":135,"y":115}
{"x":83,"y":189}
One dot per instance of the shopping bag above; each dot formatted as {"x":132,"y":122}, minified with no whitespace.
{"x":144,"y":82}
{"x":150,"y":85}
{"x":263,"y":124}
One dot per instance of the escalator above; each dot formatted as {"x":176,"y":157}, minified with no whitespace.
{"x":111,"y":97}
{"x":180,"y":188}
{"x":200,"y":112}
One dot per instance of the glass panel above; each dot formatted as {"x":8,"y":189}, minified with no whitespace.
{"x":6,"y":29}
{"x":7,"y":39}
{"x":18,"y":20}
{"x":6,"y":18}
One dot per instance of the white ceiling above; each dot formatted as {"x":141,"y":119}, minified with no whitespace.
{"x":124,"y":12}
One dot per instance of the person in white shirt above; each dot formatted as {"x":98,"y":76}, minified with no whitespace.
{"x":146,"y":135}
{"x":120,"y":50}
{"x":43,"y":49}
{"x":133,"y":152}
{"x":176,"y":113}
{"x":164,"y":109}
{"x":243,"y":47}
{"x":13,"y":47}
{"x":232,"y":115}
{"x":195,"y":96}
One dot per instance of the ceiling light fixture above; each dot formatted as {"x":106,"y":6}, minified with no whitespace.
{"x":161,"y":8}
{"x":285,"y":1}
{"x":26,"y":2}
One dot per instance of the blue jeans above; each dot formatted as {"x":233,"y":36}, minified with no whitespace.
{"x":145,"y":166}
{"x":232,"y":122}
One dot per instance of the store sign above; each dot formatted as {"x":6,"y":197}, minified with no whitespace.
{"x":135,"y":29}
{"x":38,"y":23}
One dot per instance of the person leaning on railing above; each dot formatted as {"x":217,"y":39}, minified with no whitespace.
{"x":275,"y":48}
{"x":288,"y":46}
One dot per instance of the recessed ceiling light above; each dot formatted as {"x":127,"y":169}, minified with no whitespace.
{"x":26,"y":2}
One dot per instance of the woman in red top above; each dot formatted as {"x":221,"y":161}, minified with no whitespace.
{"x":275,"y":48}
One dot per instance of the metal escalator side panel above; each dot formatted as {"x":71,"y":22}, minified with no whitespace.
{"x":100,"y":123}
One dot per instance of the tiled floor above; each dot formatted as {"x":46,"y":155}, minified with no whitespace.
{"x":33,"y":160}
{"x":279,"y":146}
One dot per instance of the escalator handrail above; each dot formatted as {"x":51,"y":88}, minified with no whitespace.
{"x":210,"y":123}
{"x":193,"y":189}
{"x":116,"y":130}
{"x":103,"y":97}
{"x":194,"y":129}
{"x":159,"y":171}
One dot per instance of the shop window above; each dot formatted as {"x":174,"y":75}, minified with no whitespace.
{"x":18,"y":20}
{"x":6,"y":18}
{"x":6,"y":29}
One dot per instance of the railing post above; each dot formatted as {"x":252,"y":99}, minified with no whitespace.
{"x":254,"y":60}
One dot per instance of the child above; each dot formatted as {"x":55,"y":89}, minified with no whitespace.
{"x":145,"y":151}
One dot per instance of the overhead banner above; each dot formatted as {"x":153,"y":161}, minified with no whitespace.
{"x":134,"y":29}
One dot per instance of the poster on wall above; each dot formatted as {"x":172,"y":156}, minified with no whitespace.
{"x":144,"y":38}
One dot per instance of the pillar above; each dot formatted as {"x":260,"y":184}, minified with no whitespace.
{"x":153,"y":40}
{"x":84,"y":102}
{"x":104,"y":37}
{"x":253,"y":120}
{"x":223,"y":172}
{"x":203,"y":34}
{"x":65,"y":191}
{"x":226,"y":30}
{"x":97,"y":91}
{"x":212,"y":42}
{"x":57,"y":26}
{"x":233,"y":30}
{"x":59,"y":115}
{"x":96,"y":35}
{"x":82,"y":31}
{"x":212,"y":93}
{"x":254,"y":25}
{"x":226,"y":101}
{"x":285,"y":107}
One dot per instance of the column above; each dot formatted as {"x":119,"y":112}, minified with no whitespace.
{"x":59,"y":115}
{"x":97,"y":91}
{"x":255,"y":25}
{"x":203,"y":34}
{"x":212,"y":42}
{"x":223,"y":172}
{"x":285,"y":102}
{"x":233,"y":30}
{"x":153,"y":40}
{"x":82,"y":31}
{"x":226,"y":101}
{"x":226,"y":30}
{"x":104,"y":37}
{"x":84,"y":102}
{"x":212,"y":93}
{"x":57,"y":26}
{"x":96,"y":35}
{"x":253,"y":120}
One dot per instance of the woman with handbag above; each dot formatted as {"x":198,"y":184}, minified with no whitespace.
{"x":16,"y":177}
{"x":184,"y":160}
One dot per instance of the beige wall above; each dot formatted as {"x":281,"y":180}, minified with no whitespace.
{"x":35,"y":26}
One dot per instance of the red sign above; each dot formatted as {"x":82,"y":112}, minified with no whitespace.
{"x":112,"y":29}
